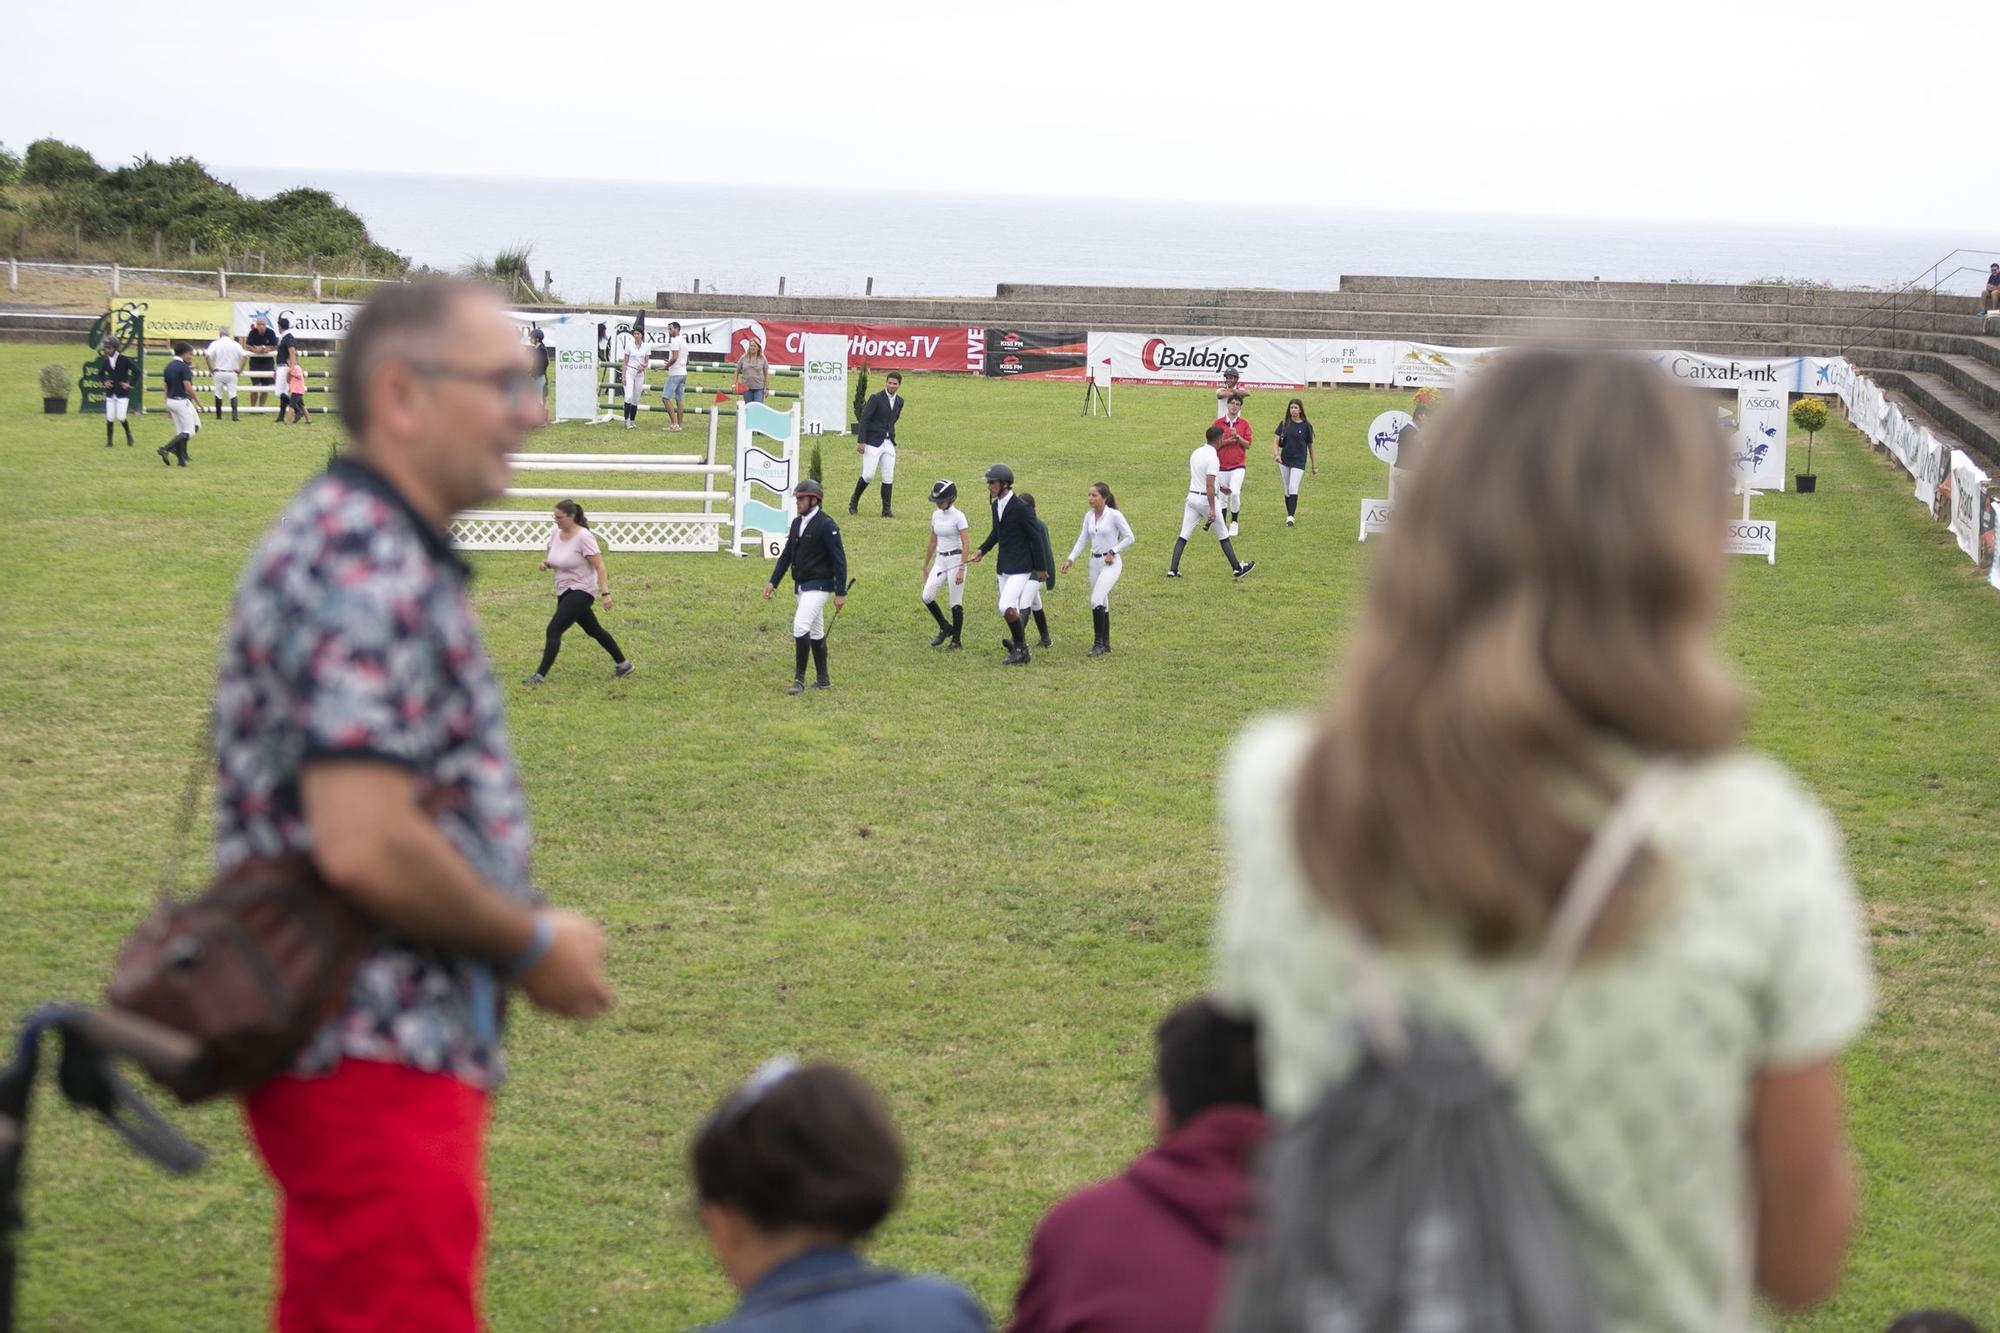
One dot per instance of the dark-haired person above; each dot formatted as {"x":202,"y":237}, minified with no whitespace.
{"x":262,"y":345}
{"x":1013,"y":532}
{"x":1204,"y":506}
{"x":1045,"y":575}
{"x":1293,"y":452}
{"x":1231,"y":388}
{"x":877,"y":442}
{"x":1108,"y":536}
{"x":634,"y":360}
{"x":944,"y":563}
{"x":1232,"y":461}
{"x":181,"y":410}
{"x":286,"y":351}
{"x":295,"y":388}
{"x":581,"y":581}
{"x":118,"y":372}
{"x":792,"y":1171}
{"x":1145,"y":1251}
{"x":1989,"y":296}
{"x":673,"y":392}
{"x":818,"y":561}
{"x":1513,"y":674}
{"x":538,"y":348}
{"x":352,"y":688}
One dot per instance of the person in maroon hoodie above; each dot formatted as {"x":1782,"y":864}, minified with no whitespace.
{"x":1145,"y":1252}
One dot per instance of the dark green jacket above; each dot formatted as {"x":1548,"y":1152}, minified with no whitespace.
{"x":1046,"y":554}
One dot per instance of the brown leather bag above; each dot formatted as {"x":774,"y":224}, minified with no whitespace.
{"x":248,"y":972}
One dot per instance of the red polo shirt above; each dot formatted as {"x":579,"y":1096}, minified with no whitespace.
{"x":1231,"y":449}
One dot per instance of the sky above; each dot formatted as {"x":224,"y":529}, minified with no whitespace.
{"x":1756,"y":111}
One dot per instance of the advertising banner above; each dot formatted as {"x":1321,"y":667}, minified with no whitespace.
{"x":311,"y":321}
{"x":572,"y":344}
{"x":1156,"y":358}
{"x":1789,"y":374}
{"x":1761,"y":421}
{"x":705,"y":335}
{"x":1337,"y":361}
{"x":1968,"y":504}
{"x":1987,"y":538}
{"x":877,"y":346}
{"x":823,"y":399}
{"x":177,"y":320}
{"x":1027,"y":354}
{"x":1931,"y":465}
{"x":1753,"y":536}
{"x":767,"y":467}
{"x":1420,"y":364}
{"x":1375,"y":515}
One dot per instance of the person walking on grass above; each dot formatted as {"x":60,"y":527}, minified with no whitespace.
{"x":1108,"y":536}
{"x":1013,"y":532}
{"x":1293,"y":452}
{"x":673,"y":393}
{"x":181,"y":409}
{"x":1521,"y":669}
{"x":225,"y":363}
{"x":876,"y":442}
{"x":636,"y":357}
{"x":1045,"y":574}
{"x":944,"y":561}
{"x":1232,"y":461}
{"x":286,"y":351}
{"x":1231,"y":388}
{"x":818,"y":562}
{"x":357,"y":722}
{"x":753,"y":371}
{"x":1203,"y":507}
{"x":581,"y":581}
{"x":118,"y":372}
{"x":295,"y":387}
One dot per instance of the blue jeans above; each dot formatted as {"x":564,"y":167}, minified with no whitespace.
{"x":753,"y":395}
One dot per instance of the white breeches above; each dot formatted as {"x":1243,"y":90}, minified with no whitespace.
{"x":1103,"y":578}
{"x":635,"y":385}
{"x":1196,"y":514}
{"x":225,"y":384}
{"x":809,"y":618}
{"x":116,"y":408}
{"x":1017,"y":592}
{"x":186,"y":420}
{"x":1233,"y":479}
{"x":882,"y":456}
{"x":1292,"y":476}
{"x":945,"y":574}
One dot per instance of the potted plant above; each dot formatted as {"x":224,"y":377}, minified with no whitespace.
{"x":1809,"y":415}
{"x":55,"y":384}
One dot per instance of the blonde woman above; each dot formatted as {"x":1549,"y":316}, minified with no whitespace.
{"x":1516,"y":663}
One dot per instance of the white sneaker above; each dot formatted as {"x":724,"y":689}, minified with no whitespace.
{"x":1233,"y":530}
{"x":1291,"y":522}
{"x":631,"y":425}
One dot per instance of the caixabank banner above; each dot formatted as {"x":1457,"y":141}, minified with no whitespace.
{"x":1036,"y":354}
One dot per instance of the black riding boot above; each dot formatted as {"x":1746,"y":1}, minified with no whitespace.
{"x":854,"y":500}
{"x":819,"y":664}
{"x":944,"y":626}
{"x":957,"y":628}
{"x":1174,"y":565}
{"x":1042,"y":628}
{"x":888,"y":490}
{"x":801,"y":648}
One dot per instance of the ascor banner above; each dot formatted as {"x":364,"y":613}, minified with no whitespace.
{"x":310,"y":321}
{"x":877,"y":346}
{"x":1760,"y":437}
{"x":1025,"y":354}
{"x":1336,"y":361}
{"x":1158,"y":358}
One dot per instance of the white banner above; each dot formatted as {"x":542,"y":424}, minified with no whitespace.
{"x":1761,"y":419}
{"x":1422,"y":364}
{"x":1334,"y":361}
{"x":1156,"y":358}
{"x":704,"y":336}
{"x":572,"y":344}
{"x":1787,"y":374}
{"x":1375,"y":515}
{"x":823,"y":400}
{"x":1752,"y":536}
{"x":1968,"y":502}
{"x":309,"y":321}
{"x":1931,"y":467}
{"x":1993,"y":518}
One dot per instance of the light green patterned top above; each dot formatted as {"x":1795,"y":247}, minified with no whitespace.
{"x":1637,"y":1089}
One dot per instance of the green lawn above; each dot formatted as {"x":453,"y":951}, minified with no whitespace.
{"x":980,"y":887}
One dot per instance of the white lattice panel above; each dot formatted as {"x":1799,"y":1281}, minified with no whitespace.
{"x":502,"y":530}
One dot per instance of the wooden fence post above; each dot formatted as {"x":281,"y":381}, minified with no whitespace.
{"x":781,"y":284}
{"x":222,"y":283}
{"x":870,"y":289}
{"x":617,"y":291}
{"x":114,"y":277}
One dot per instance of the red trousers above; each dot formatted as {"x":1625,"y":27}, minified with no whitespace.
{"x":382,"y":1198}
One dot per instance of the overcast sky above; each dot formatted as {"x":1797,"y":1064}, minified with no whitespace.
{"x":1836,"y":113}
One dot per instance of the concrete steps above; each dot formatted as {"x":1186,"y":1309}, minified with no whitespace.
{"x":1975,"y":426}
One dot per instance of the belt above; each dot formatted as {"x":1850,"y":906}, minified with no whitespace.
{"x":956,"y":550}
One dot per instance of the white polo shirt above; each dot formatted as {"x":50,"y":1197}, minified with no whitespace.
{"x":677,"y":355}
{"x":1202,"y":464}
{"x":225,"y":354}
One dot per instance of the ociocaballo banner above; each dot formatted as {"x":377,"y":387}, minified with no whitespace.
{"x":1160,"y":358}
{"x":178,"y":320}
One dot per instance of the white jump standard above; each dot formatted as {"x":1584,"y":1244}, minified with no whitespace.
{"x":1108,"y":536}
{"x":944,"y":559}
{"x":819,"y":574}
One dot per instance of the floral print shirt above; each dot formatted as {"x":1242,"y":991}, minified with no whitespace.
{"x":351,"y":637}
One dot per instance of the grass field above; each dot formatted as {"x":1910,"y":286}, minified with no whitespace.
{"x":980,"y":887}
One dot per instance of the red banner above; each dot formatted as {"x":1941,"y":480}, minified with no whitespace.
{"x":878,"y":346}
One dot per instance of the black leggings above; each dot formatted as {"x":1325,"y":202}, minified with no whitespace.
{"x":573,"y":608}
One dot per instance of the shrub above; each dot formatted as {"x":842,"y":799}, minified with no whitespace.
{"x":10,"y":165}
{"x":860,"y":391}
{"x":53,"y":162}
{"x":815,"y":469}
{"x":1809,"y":415}
{"x":54,"y":380}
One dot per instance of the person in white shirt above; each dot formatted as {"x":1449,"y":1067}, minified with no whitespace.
{"x":225,"y":362}
{"x":944,"y":558}
{"x":637,"y":356}
{"x":1202,"y":507}
{"x":677,"y":374}
{"x":1108,"y":536}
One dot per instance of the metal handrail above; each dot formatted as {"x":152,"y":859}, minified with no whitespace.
{"x":1930,"y":274}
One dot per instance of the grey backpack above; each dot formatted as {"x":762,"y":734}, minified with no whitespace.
{"x":1408,"y":1198}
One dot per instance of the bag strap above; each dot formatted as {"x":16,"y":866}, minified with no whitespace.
{"x":1617,"y":840}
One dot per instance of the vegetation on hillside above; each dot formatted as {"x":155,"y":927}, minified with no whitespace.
{"x":56,"y":200}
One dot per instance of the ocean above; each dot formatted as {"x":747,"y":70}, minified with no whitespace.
{"x":661,"y":237}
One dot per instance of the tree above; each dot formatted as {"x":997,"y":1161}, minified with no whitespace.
{"x":1809,"y":415}
{"x":53,"y":162}
{"x":10,"y":165}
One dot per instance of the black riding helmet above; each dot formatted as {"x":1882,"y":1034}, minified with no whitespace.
{"x":1001,"y":473}
{"x":944,"y":492}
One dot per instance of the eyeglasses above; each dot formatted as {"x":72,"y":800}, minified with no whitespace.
{"x":514,"y":385}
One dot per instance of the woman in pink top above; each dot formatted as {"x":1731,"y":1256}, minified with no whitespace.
{"x":580,"y":581}
{"x":295,"y":385}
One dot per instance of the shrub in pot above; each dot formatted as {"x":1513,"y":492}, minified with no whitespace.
{"x":1810,"y":416}
{"x":55,"y":385}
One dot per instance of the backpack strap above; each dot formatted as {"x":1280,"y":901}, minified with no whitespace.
{"x":1619,"y":838}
